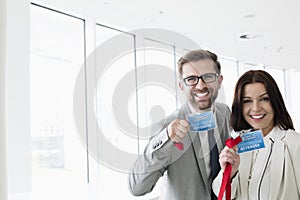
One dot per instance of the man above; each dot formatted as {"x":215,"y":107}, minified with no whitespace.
{"x":189,"y":171}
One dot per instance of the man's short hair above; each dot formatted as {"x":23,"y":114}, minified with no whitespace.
{"x":196,"y":55}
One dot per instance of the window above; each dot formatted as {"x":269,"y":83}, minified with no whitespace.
{"x":278,"y":75}
{"x":229,"y":70}
{"x":57,"y":55}
{"x":294,"y":87}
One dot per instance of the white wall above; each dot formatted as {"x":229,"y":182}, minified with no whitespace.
{"x":3,"y":181}
{"x":17,"y":105}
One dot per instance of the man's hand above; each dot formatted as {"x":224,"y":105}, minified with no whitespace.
{"x":177,"y":130}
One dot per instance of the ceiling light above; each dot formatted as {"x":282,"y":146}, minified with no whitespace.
{"x":249,"y":36}
{"x":250,"y":16}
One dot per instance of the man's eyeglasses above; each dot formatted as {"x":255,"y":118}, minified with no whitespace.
{"x":206,"y":78}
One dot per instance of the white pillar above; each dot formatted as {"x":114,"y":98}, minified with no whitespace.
{"x":18,"y":99}
{"x":3,"y":162}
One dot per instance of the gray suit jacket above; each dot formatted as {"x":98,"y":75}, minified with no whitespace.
{"x":186,"y":174}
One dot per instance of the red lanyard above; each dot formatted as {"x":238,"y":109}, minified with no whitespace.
{"x":226,"y":182}
{"x":179,"y":145}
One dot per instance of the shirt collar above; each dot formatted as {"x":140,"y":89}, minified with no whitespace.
{"x":276,"y":133}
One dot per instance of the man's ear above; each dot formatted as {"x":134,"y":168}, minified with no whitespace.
{"x":220,"y":79}
{"x":180,"y":85}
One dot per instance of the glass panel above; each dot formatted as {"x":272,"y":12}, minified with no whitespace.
{"x":118,"y":96}
{"x":157,"y":89}
{"x":230,"y":75}
{"x":295,"y":96}
{"x":157,"y":85}
{"x":113,"y":69}
{"x":58,"y":157}
{"x":278,"y":75}
{"x":116,"y":114}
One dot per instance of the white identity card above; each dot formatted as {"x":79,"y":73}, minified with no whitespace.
{"x":201,"y":121}
{"x":251,"y":141}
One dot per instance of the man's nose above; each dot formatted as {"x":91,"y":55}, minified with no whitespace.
{"x":201,"y":84}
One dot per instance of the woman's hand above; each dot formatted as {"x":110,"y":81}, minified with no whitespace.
{"x":229,"y":155}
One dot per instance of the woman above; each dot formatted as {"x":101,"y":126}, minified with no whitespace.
{"x":272,"y":172}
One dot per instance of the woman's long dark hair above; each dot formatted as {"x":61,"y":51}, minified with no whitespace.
{"x":282,"y":118}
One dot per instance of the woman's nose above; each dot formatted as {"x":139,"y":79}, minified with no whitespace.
{"x":255,"y":105}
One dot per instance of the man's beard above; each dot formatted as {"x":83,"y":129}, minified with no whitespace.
{"x":212,"y":99}
{"x":198,"y":107}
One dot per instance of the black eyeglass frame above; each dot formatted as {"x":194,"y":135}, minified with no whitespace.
{"x":216,"y":75}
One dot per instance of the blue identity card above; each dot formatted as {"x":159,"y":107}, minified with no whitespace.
{"x":251,"y":141}
{"x":201,"y":121}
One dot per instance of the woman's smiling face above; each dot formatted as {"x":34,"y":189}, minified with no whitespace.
{"x":257,"y":108}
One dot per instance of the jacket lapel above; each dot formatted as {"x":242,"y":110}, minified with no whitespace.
{"x":201,"y":162}
{"x":277,"y":165}
{"x":217,"y":134}
{"x":196,"y":145}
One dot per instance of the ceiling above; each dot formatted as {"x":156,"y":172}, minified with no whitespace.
{"x":273,"y":26}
